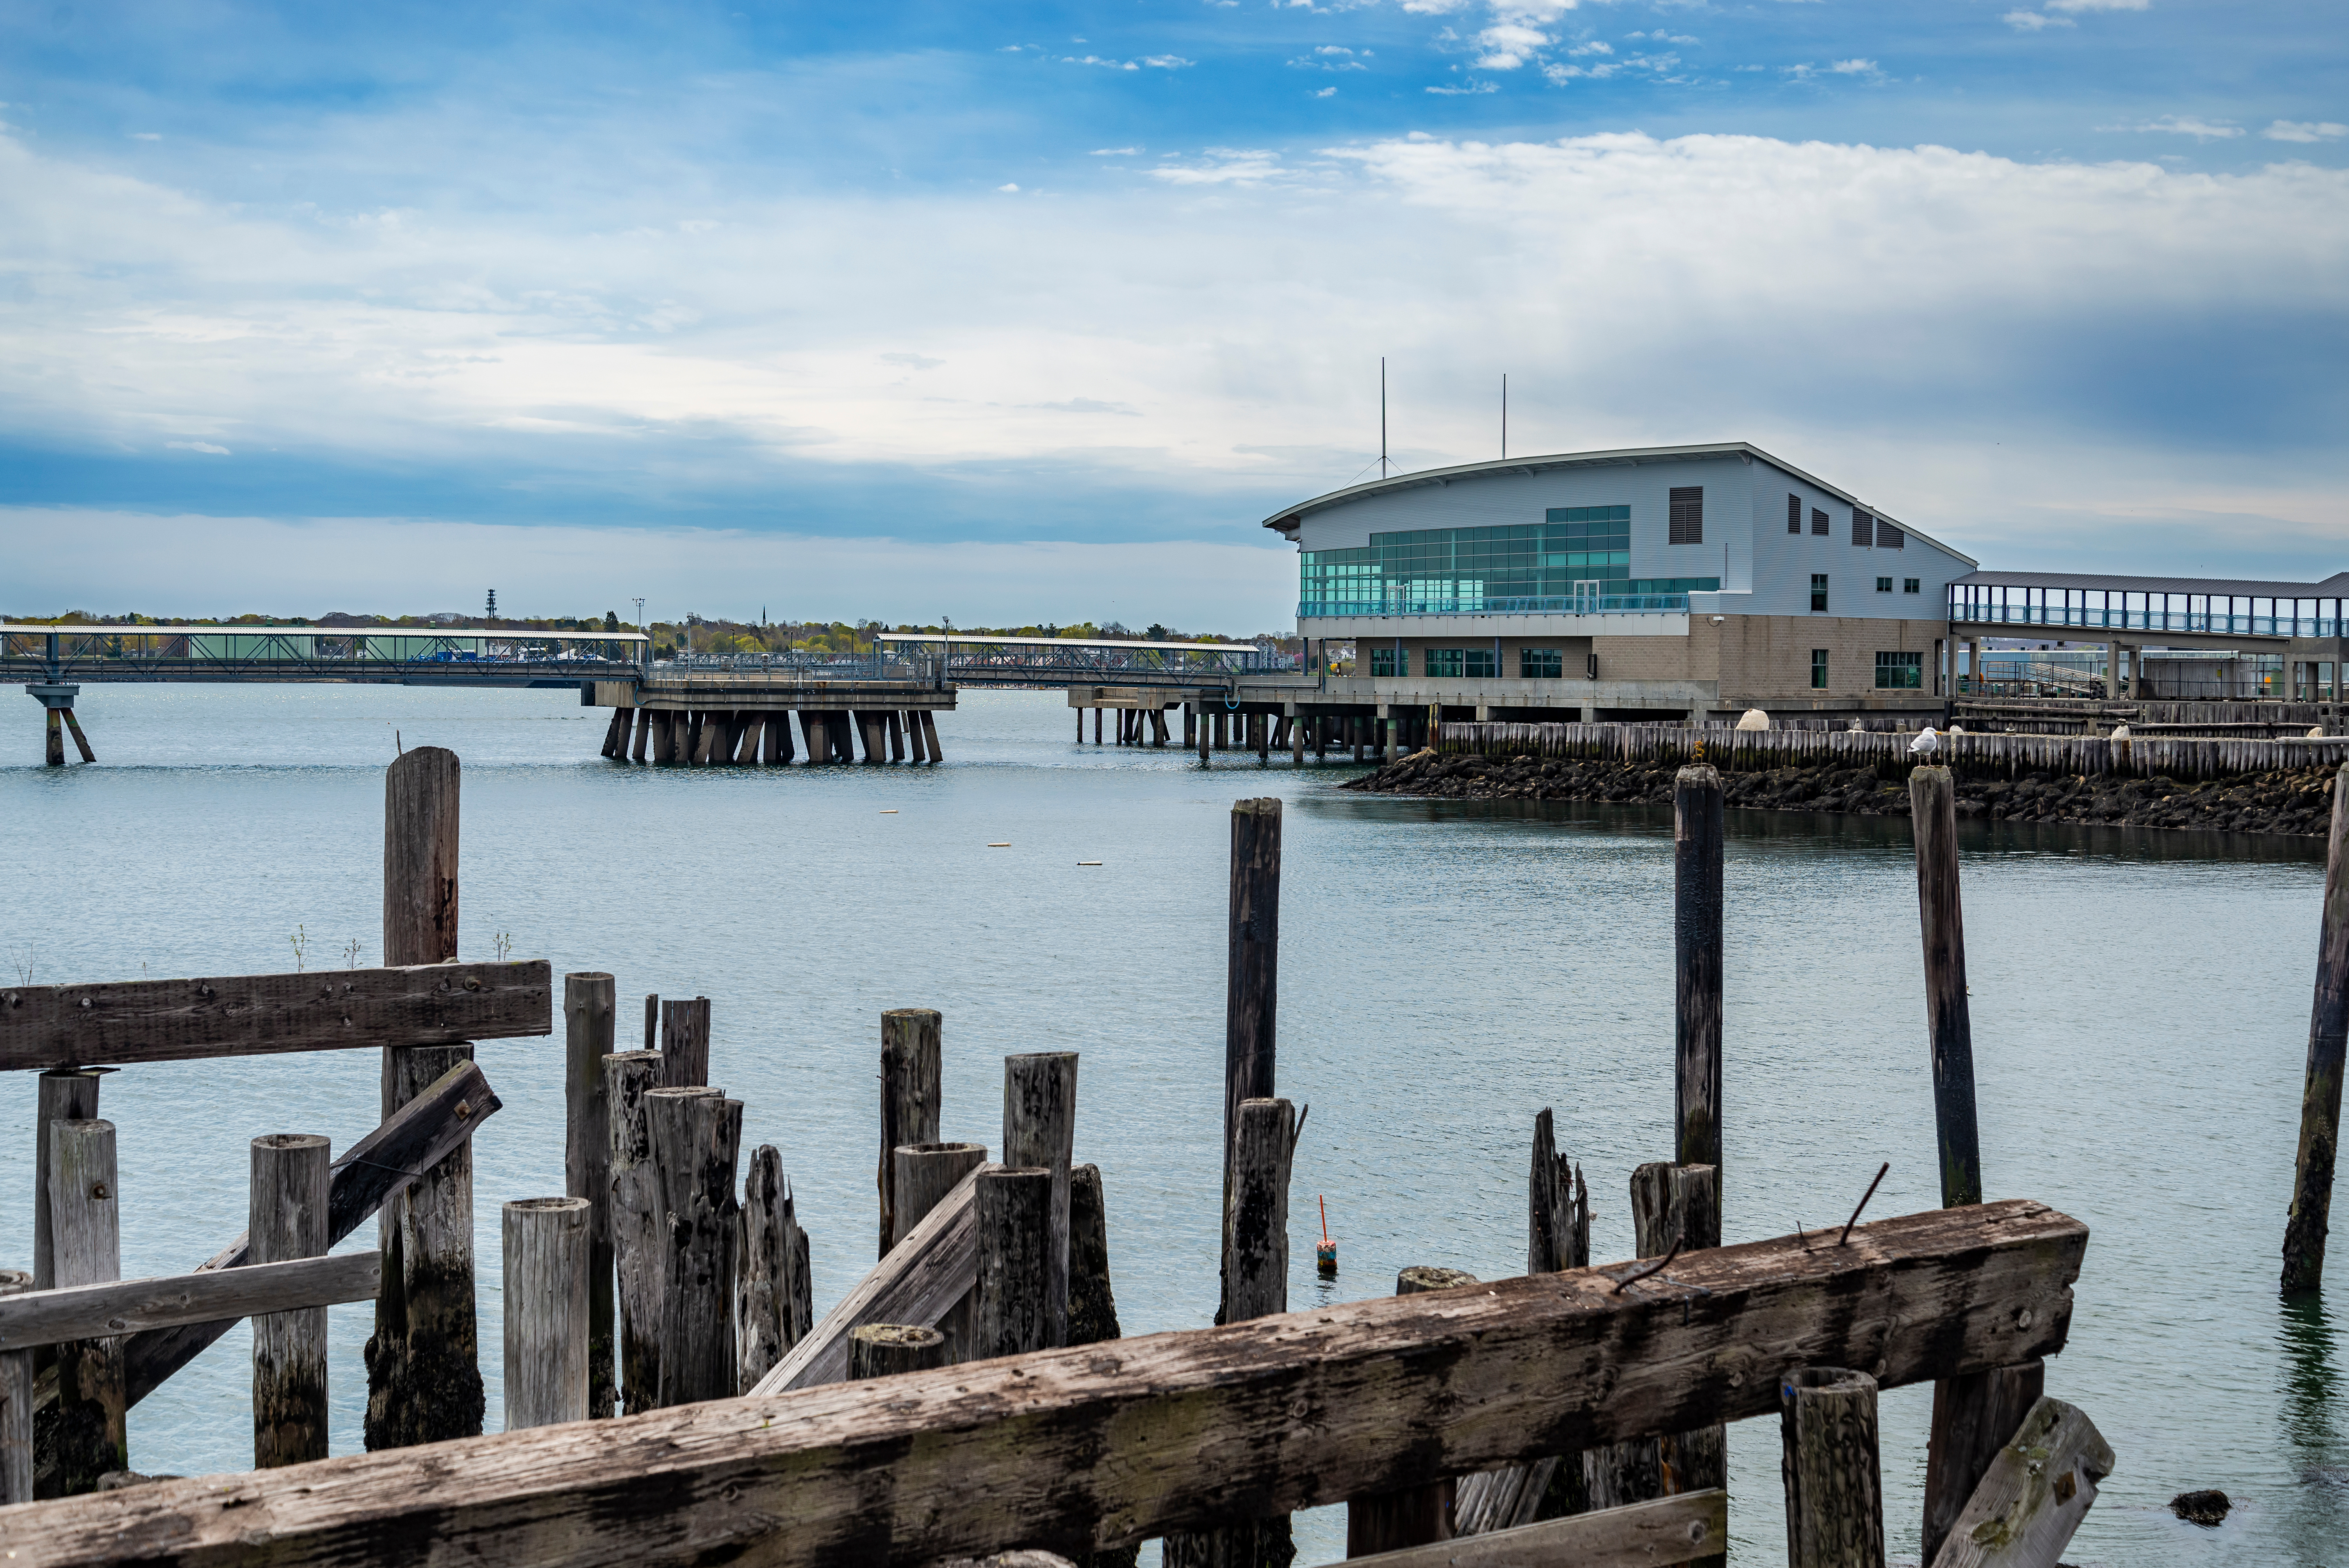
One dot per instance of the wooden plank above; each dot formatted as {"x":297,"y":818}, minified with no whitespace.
{"x":2036,"y":1494}
{"x":1667,"y":1530}
{"x":265,"y":1014}
{"x":1101,"y":1444}
{"x":919,"y":1282}
{"x":134,"y":1305}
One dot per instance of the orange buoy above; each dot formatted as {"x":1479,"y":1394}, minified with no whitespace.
{"x":1325,"y":1256}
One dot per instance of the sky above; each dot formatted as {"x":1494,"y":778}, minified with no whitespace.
{"x":1035,"y":312}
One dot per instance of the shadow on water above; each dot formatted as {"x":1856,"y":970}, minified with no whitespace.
{"x":2316,"y":1509}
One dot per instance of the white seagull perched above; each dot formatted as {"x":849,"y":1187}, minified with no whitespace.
{"x":1754,"y":718}
{"x":2120,"y":732}
{"x":1927,"y":741}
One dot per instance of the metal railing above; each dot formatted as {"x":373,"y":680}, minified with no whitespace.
{"x":1074,"y":661}
{"x":2211,"y":623}
{"x":400,"y":655}
{"x":1540,"y":605}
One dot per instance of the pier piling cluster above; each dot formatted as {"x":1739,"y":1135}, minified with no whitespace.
{"x":741,"y":736}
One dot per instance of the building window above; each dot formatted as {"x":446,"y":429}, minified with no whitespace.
{"x":1899,"y":672}
{"x":1911,"y":585}
{"x":1863,"y":529}
{"x":1687,"y":515}
{"x":1445,"y":661}
{"x":1390,"y":661}
{"x":1484,"y":663}
{"x":1818,"y":591}
{"x":1550,"y":565}
{"x":1889,"y":537}
{"x":1793,"y":514}
{"x":1884,"y":585}
{"x":1818,"y":669}
{"x":1818,"y":523}
{"x":1540,"y":665}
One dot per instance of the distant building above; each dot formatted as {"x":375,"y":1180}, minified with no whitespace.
{"x":1654,"y":583}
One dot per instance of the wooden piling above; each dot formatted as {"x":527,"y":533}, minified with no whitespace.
{"x":685,"y":1043}
{"x":1696,"y":944}
{"x":1190,"y":725}
{"x":884,"y":1349}
{"x":772,"y":1302}
{"x":1949,"y":1022}
{"x":1040,"y":1124}
{"x":896,"y":735}
{"x":911,"y":1080}
{"x":637,"y":1227}
{"x":17,"y":1385}
{"x":1673,"y":1207}
{"x":65,"y":1094}
{"x":779,"y":737}
{"x":286,"y":1218}
{"x":1011,"y":1301}
{"x":424,"y":1376}
{"x":652,"y":1023}
{"x":925,"y":1172}
{"x":588,"y":1026}
{"x":2328,"y":1043}
{"x":1251,"y":968}
{"x":752,"y":725}
{"x":812,"y":725}
{"x":913,"y":747}
{"x":1835,"y":1490}
{"x":87,"y":1431}
{"x":930,"y":737}
{"x":1975,"y":1417}
{"x":1416,"y":1515}
{"x":1200,"y":731}
{"x":548,"y":1241}
{"x":615,"y":739}
{"x":54,"y":751}
{"x":1092,"y":1304}
{"x":644,"y":733}
{"x":696,"y":1137}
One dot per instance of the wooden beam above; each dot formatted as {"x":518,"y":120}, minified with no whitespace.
{"x":921,"y":1280}
{"x":1653,"y":1534}
{"x":131,"y":1305}
{"x":1101,"y":1444}
{"x":2034,"y":1494}
{"x":264,"y":1015}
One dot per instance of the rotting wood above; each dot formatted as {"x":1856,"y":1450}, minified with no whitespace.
{"x":1696,"y":944}
{"x":2034,"y":1495}
{"x":1092,"y":1303}
{"x":131,"y":1021}
{"x":1932,"y":811}
{"x":767,"y":1313}
{"x":1834,"y":1475}
{"x":547,"y":1246}
{"x":87,"y":1431}
{"x":1973,"y":1417}
{"x":285,"y":1220}
{"x":685,"y":1043}
{"x":1390,"y":1518}
{"x":423,"y":1361}
{"x":589,"y":1026}
{"x":1039,"y":1123}
{"x":16,"y":1406}
{"x":2328,"y":1049}
{"x":628,"y":1077}
{"x":1251,"y":972}
{"x":169,"y":1301}
{"x":886,"y":1349}
{"x":64,"y":1094}
{"x":1284,"y":1413}
{"x":697,"y":1139}
{"x":924,"y":1173}
{"x":1658,"y":1533}
{"x":1011,"y":1302}
{"x":911,"y":1079}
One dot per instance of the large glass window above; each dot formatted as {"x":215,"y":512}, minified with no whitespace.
{"x":1445,"y":661}
{"x":1449,"y":571}
{"x":1540,"y":665}
{"x":1483,"y":663}
{"x":1390,"y":661}
{"x":1899,"y":672}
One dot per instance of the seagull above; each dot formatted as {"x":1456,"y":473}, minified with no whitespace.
{"x":1928,"y":742}
{"x":1754,"y":718}
{"x":2120,"y":732}
{"x":1956,"y":729}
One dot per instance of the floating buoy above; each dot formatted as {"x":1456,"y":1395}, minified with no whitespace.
{"x":1325,"y":1256}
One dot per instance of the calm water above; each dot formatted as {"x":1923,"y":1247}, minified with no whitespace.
{"x":2140,"y":1007}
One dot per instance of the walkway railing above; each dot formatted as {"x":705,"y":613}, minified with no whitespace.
{"x":1541,"y":604}
{"x":411,"y":655}
{"x":1093,"y":661}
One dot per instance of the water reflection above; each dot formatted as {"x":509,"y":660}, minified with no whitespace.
{"x":2316,"y":1509}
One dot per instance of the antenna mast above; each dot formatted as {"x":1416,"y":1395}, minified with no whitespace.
{"x":1504,"y":416}
{"x":1382,"y":415}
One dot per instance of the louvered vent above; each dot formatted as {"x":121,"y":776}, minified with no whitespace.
{"x":1818,"y":522}
{"x":1889,"y":537}
{"x":1686,"y":516}
{"x":1863,"y":528}
{"x":1793,"y":514}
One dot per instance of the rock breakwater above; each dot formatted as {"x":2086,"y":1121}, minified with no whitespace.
{"x":2298,"y":801}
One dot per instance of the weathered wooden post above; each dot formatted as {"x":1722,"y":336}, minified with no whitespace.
{"x":1040,"y":1126}
{"x":652,"y":1023}
{"x":911,"y":1080}
{"x":1678,"y":1206}
{"x":1696,"y":943}
{"x":1251,"y":972}
{"x":65,"y":1094}
{"x":637,"y":1227}
{"x":696,"y":1137}
{"x":774,"y":1304}
{"x":588,"y":1026}
{"x":1949,"y":1025}
{"x":1255,"y":1284}
{"x":1093,"y":1305}
{"x":685,"y":1043}
{"x":1414,"y":1515}
{"x":424,"y":1375}
{"x":884,"y":1349}
{"x":15,"y":1407}
{"x":2320,"y":1100}
{"x":1010,"y":1312}
{"x":925,"y":1172}
{"x":548,"y":1243}
{"x":88,"y":1434}
{"x":285,"y":1210}
{"x":1835,"y":1491}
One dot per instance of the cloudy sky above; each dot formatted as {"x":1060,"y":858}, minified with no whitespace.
{"x":1035,"y":311}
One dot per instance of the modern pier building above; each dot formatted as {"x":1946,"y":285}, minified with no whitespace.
{"x":1652,"y":583}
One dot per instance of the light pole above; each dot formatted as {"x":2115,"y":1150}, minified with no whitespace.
{"x":639,"y":604}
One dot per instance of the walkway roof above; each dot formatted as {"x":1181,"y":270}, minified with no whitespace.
{"x":2333,"y":587}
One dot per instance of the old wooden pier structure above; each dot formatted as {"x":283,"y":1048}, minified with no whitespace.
{"x":673,"y":1398}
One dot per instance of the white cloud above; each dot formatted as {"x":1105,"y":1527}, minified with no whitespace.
{"x":2184,"y":125}
{"x":1507,"y":46}
{"x":2305,"y":131}
{"x":1595,"y":47}
{"x":145,"y":136}
{"x":1006,"y":187}
{"x":1327,"y":92}
{"x":1471,"y":87}
{"x":197,"y":447}
{"x":1231,"y":166}
{"x":2034,"y":22}
{"x":912,"y":361}
{"x":1115,"y":151}
{"x":1166,"y":62}
{"x":2100,"y":4}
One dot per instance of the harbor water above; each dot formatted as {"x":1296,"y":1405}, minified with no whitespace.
{"x":2140,"y":1005}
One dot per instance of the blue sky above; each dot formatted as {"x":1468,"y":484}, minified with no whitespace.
{"x":1034,"y":311}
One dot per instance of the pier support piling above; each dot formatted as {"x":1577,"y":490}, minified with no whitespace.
{"x":588,"y":1029}
{"x":87,"y":1429}
{"x":628,"y":1077}
{"x":685,"y":1043}
{"x":547,"y":1245}
{"x":1039,"y":1122}
{"x":697,"y":1139}
{"x":15,"y":1407}
{"x":1414,"y":1515}
{"x":1834,"y":1487}
{"x":1696,"y":971}
{"x":884,"y":1349}
{"x":2328,"y":1034}
{"x":1010,"y":1306}
{"x":285,"y":1208}
{"x":911,"y":1077}
{"x":774,"y":1304}
{"x":1251,"y":976}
